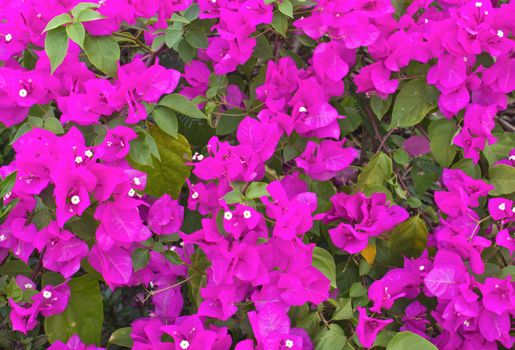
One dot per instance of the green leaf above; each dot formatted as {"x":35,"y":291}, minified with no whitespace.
{"x":412,"y":104}
{"x":140,"y":258}
{"x":192,"y":12}
{"x":441,"y":133}
{"x":178,"y":18}
{"x":76,"y":33}
{"x":330,"y":339}
{"x":54,"y":125}
{"x":182,"y":105}
{"x":89,"y":15}
{"x":103,"y":52}
{"x":256,"y":190}
{"x":15,"y":267}
{"x":378,"y":170}
{"x":58,"y":21}
{"x":169,"y":174}
{"x":196,"y":38}
{"x":7,"y":184}
{"x":121,"y":337}
{"x":286,"y":7}
{"x":357,"y":290}
{"x":468,"y":166}
{"x":173,"y":257}
{"x":186,"y":51}
{"x":400,"y":156}
{"x":140,"y":152}
{"x":502,"y":176}
{"x":166,"y":119}
{"x":173,"y":35}
{"x":80,"y":7}
{"x":409,"y":341}
{"x":343,"y":310}
{"x":380,"y":106}
{"x":56,"y":46}
{"x":233,"y":197}
{"x":280,"y":23}
{"x":324,"y":262}
{"x":501,"y":149}
{"x":228,"y":123}
{"x":408,"y":238}
{"x":263,"y":48}
{"x":84,"y":314}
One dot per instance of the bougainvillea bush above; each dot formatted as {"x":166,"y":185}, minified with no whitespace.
{"x":257,"y":174}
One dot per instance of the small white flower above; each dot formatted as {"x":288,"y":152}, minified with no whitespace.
{"x":500,"y":33}
{"x":109,"y":143}
{"x":7,"y":195}
{"x":213,"y":1}
{"x":200,"y":157}
{"x":39,"y":15}
{"x":302,"y":109}
{"x":194,"y":195}
{"x":466,"y":323}
{"x":421,"y":268}
{"x":502,"y":206}
{"x":131,"y":192}
{"x":496,"y":286}
{"x":23,"y":93}
{"x":288,"y":343}
{"x":78,"y":159}
{"x":2,"y":238}
{"x":512,"y":157}
{"x":227,"y":215}
{"x":8,"y":37}
{"x":47,"y":294}
{"x":479,"y":4}
{"x":426,"y":21}
{"x":75,"y":199}
{"x":136,"y":181}
{"x":184,"y":344}
{"x":28,"y":285}
{"x":247,"y":214}
{"x":88,"y":153}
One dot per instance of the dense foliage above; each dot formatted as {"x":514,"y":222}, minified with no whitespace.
{"x":257,"y":174}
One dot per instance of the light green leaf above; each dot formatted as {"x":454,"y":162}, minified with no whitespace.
{"x":286,"y":7}
{"x":409,"y":341}
{"x":56,"y":47}
{"x":181,"y":104}
{"x":324,"y":262}
{"x":501,"y":149}
{"x":89,"y":15}
{"x":166,"y":119}
{"x":122,"y":337}
{"x":58,"y":21}
{"x":103,"y":52}
{"x":412,"y":104}
{"x":441,"y":133}
{"x":502,"y":176}
{"x":173,"y":257}
{"x":280,"y":23}
{"x":186,"y":51}
{"x":80,"y":7}
{"x":256,"y":190}
{"x":192,"y":12}
{"x":173,"y":35}
{"x":343,"y":310}
{"x":7,"y":184}
{"x":378,"y":170}
{"x":140,"y":258}
{"x":83,"y":316}
{"x":54,"y":125}
{"x":76,"y":33}
{"x":196,"y":38}
{"x":330,"y":339}
{"x":169,"y":174}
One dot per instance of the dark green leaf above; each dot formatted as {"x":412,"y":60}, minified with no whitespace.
{"x":380,"y":106}
{"x":256,"y":190}
{"x":15,"y":267}
{"x":83,"y":316}
{"x":280,"y":23}
{"x":186,"y":51}
{"x":408,"y":239}
{"x":501,"y":149}
{"x":173,"y":257}
{"x":173,"y":35}
{"x":140,"y":258}
{"x":169,"y":174}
